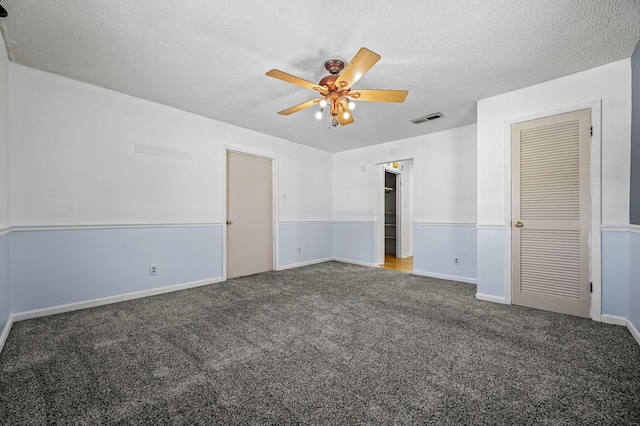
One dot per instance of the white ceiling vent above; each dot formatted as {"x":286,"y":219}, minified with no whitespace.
{"x":426,"y":118}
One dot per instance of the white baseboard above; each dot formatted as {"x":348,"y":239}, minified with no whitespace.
{"x":308,"y":262}
{"x":617,"y":320}
{"x":446,"y":277}
{"x":355,"y":262}
{"x":613,"y":319}
{"x":491,"y":298}
{"x":5,"y":332}
{"x":36,"y":313}
{"x":634,"y":331}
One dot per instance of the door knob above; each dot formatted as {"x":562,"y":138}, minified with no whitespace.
{"x":229,"y":222}
{"x":519,"y":224}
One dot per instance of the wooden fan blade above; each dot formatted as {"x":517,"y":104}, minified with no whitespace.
{"x":280,"y":75}
{"x":380,"y":95}
{"x":301,"y":106}
{"x":359,"y":65}
{"x":342,"y":108}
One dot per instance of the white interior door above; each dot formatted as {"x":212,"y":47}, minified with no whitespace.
{"x":249,"y":215}
{"x":550,"y":212}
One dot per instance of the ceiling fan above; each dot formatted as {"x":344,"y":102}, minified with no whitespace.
{"x":336,"y":88}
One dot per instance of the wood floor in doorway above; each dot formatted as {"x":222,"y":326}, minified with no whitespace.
{"x":398,"y":264}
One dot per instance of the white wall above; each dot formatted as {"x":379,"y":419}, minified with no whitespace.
{"x":634,"y":212}
{"x":406,"y":209}
{"x":84,"y":155}
{"x":105,"y":184}
{"x":609,"y":83}
{"x":4,"y":139}
{"x":444,"y":192}
{"x":634,"y":232}
{"x":5,"y":239}
{"x":444,"y":177}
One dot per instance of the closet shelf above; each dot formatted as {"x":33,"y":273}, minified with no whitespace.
{"x":388,"y":189}
{"x":389,"y":238}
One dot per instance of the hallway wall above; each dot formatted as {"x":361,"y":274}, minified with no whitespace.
{"x":444,"y":198}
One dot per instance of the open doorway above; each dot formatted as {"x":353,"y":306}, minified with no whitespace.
{"x":395,"y":233}
{"x":392,"y":223}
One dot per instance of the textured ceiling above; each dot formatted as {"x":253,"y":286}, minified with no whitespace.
{"x":210,"y":57}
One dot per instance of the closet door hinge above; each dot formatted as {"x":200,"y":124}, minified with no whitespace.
{"x":590,"y":287}
{"x":591,"y":130}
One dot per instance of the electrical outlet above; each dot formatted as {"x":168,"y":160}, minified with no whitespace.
{"x":299,"y":249}
{"x":153,"y":269}
{"x":456,"y":261}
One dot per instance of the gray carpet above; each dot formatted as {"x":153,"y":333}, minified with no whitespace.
{"x":324,"y":344}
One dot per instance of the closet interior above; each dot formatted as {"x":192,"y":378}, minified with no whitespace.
{"x":391,"y":213}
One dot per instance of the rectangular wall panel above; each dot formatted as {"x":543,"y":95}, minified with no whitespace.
{"x":313,"y":239}
{"x":616,"y":265}
{"x":633,"y":299}
{"x":5,"y":277}
{"x":355,"y":242}
{"x":54,"y":268}
{"x":491,"y":265}
{"x":437,"y":246}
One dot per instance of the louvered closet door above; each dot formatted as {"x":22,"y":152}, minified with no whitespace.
{"x":550,"y":227}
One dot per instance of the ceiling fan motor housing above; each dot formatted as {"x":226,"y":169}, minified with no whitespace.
{"x":334,"y":66}
{"x":329,"y":81}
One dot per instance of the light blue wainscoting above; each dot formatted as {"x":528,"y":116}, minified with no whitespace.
{"x":58,"y":267}
{"x":437,"y":246}
{"x":634,"y":278}
{"x":491,"y":267}
{"x":304,"y":243}
{"x":5,"y":281}
{"x":355,"y":242}
{"x":615,"y":273}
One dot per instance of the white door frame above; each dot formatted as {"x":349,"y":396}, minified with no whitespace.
{"x":275,"y":198}
{"x":379,"y":188}
{"x":595,"y":249}
{"x":399,"y":223}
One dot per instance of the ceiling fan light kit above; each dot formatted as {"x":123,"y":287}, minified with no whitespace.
{"x":336,"y":88}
